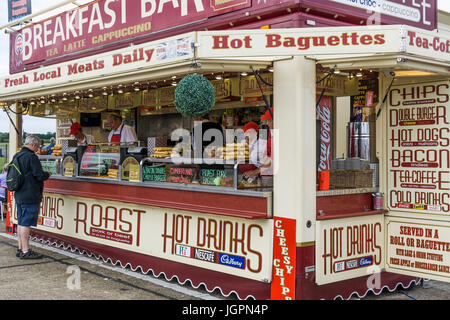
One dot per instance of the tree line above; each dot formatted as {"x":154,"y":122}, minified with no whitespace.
{"x":4,"y":136}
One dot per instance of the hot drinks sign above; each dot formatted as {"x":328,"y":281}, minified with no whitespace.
{"x":349,"y":248}
{"x":419,"y":148}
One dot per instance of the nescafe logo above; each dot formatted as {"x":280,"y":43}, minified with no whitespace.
{"x":18,"y":45}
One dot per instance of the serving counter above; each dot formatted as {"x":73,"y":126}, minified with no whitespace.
{"x":226,"y":201}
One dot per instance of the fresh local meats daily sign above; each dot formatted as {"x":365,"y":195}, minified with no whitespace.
{"x":419,"y":148}
{"x":152,"y":54}
{"x":235,"y":246}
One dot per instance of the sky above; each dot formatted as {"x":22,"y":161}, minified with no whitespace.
{"x":39,"y":125}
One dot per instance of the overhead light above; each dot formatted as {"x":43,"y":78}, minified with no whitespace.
{"x":174,"y":84}
{"x":218,"y":77}
{"x":337,"y":71}
{"x":90,"y":95}
{"x":174,"y":77}
{"x":136,"y":89}
{"x":359,"y":74}
{"x":120,"y":91}
{"x":270,"y":69}
{"x":77,"y":97}
{"x":105,"y":93}
{"x":413,"y":73}
{"x":65,"y":99}
{"x":244,"y":74}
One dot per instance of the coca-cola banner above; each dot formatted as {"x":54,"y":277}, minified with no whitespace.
{"x":324,"y":114}
{"x":103,"y":22}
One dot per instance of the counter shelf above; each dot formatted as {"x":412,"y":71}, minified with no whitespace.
{"x":345,"y":203}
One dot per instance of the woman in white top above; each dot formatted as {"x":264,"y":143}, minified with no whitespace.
{"x":257,"y":148}
{"x":82,"y":139}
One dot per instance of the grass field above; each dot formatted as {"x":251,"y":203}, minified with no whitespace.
{"x":3,"y":159}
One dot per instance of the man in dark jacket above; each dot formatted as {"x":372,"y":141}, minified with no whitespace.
{"x":29,"y":196}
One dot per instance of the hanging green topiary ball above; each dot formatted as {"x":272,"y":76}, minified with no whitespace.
{"x":194,"y":96}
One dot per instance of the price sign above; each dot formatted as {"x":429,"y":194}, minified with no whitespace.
{"x":156,"y":174}
{"x":217,"y":176}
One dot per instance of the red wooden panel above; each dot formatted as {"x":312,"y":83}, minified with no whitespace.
{"x":221,"y":204}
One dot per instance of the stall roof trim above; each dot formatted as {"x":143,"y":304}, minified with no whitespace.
{"x":231,"y":51}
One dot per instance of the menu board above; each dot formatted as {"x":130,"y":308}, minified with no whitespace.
{"x":154,"y":173}
{"x":51,"y":166}
{"x":418,"y":248}
{"x":419,"y":148}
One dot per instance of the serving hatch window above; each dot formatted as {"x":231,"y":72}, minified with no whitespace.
{"x":346,"y":130}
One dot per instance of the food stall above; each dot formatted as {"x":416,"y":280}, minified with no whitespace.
{"x":378,"y":94}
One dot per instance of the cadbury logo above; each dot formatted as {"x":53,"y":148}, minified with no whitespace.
{"x":232,"y":261}
{"x":366,"y":261}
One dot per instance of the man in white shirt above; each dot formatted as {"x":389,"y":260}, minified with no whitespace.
{"x":120,"y":132}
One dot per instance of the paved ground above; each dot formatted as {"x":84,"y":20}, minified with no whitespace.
{"x":63,"y":275}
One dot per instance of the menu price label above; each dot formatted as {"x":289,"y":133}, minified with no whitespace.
{"x":217,"y":177}
{"x":157,"y":174}
{"x":419,"y":148}
{"x":181,"y":174}
{"x":50,"y":166}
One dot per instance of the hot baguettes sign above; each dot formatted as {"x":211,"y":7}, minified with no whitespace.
{"x":230,"y":245}
{"x":419,"y":148}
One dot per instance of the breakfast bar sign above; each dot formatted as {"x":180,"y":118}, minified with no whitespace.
{"x":104,"y":21}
